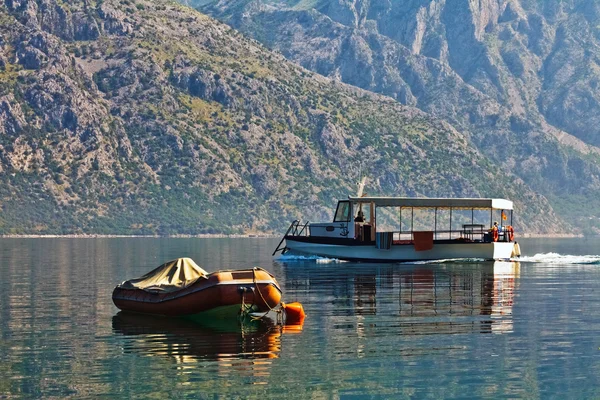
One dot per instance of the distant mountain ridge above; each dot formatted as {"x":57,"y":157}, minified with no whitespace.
{"x":147,"y":117}
{"x":518,"y":77}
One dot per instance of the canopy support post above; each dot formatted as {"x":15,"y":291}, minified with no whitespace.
{"x":435,"y":223}
{"x":400,"y":234}
{"x":412,"y":222}
{"x":450,"y":233}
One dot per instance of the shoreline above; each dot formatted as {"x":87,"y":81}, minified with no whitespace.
{"x":237,"y":236}
{"x":101,"y":236}
{"x":551,"y":235}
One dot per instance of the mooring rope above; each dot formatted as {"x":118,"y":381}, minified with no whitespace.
{"x":278,"y":310}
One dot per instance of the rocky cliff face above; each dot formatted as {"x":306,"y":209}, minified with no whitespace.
{"x":518,"y":77}
{"x":150,"y":118}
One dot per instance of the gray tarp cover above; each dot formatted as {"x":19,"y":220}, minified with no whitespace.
{"x":169,"y":277}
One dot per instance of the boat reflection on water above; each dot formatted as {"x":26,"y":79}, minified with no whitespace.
{"x":438,"y":298}
{"x":503,"y":294}
{"x":190,"y":341}
{"x":484,"y":291}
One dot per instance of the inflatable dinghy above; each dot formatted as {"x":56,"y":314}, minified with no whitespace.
{"x":181,"y":288}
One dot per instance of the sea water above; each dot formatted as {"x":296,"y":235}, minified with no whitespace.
{"x":456,"y":329}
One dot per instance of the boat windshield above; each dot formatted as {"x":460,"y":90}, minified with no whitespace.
{"x":342,"y":214}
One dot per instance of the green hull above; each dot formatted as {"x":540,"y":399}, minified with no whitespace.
{"x":221,"y":313}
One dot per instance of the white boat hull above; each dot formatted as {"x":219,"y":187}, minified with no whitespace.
{"x":404,"y":252}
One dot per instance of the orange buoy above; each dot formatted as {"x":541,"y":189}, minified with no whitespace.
{"x":294,"y":314}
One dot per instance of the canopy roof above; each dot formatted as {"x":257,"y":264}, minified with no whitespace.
{"x":412,"y":202}
{"x":169,"y":277}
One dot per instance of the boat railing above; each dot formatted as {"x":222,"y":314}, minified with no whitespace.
{"x":296,"y":228}
{"x":478,"y":235}
{"x":443,"y":235}
{"x":299,"y":230}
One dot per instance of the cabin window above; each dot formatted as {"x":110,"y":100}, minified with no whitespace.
{"x":342,"y":214}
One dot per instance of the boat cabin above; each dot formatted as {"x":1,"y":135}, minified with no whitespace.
{"x":398,"y":229}
{"x":358,"y":218}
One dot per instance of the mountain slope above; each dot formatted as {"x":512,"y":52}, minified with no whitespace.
{"x":518,"y":77}
{"x":151,"y":118}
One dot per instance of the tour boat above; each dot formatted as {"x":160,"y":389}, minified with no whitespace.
{"x":405,"y":229}
{"x":180,"y":288}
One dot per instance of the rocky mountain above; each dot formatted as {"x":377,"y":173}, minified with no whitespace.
{"x":518,"y":77}
{"x":147,"y":117}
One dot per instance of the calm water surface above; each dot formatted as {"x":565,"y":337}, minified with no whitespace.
{"x":450,"y":330}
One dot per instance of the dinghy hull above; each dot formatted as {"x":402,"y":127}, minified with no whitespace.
{"x":220,"y":294}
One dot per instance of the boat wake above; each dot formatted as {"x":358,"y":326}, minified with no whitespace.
{"x":447,"y":261}
{"x":555,"y":258}
{"x":299,"y":258}
{"x":540,"y":258}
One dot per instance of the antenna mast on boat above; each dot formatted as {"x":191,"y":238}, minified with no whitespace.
{"x":361,"y":182}
{"x":361,"y":187}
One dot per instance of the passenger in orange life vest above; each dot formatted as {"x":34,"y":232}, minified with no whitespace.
{"x":495,"y":231}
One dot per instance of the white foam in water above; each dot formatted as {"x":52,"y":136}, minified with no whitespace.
{"x":317,"y":259}
{"x":446,"y":261}
{"x":542,"y":258}
{"x":555,"y":258}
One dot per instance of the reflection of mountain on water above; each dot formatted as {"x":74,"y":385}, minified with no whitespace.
{"x":412,"y":299}
{"x":187,"y":341}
